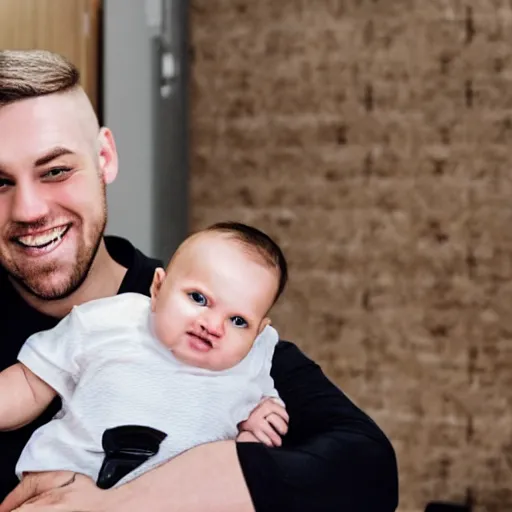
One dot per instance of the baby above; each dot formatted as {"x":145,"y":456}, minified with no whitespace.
{"x":190,"y":363}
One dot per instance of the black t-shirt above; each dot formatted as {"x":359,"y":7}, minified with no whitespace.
{"x":334,"y":457}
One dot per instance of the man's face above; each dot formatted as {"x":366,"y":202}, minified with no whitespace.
{"x":213,"y":302}
{"x":53,"y":171}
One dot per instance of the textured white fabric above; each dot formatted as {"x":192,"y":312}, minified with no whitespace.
{"x":110,"y":370}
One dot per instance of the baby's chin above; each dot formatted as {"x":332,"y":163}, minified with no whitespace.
{"x":212,"y":360}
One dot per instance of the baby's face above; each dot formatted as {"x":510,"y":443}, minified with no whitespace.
{"x":213,"y":302}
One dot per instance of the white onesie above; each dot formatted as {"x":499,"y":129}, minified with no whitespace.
{"x":110,"y":370}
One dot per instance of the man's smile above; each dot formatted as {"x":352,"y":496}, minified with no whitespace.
{"x":46,"y":239}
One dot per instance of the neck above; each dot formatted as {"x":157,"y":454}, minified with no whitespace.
{"x":104,"y":279}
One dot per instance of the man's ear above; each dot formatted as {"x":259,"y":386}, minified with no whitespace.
{"x":266,"y":321}
{"x":156,"y":285}
{"x":108,"y":160}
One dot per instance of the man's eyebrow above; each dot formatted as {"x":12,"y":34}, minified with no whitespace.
{"x":52,"y":155}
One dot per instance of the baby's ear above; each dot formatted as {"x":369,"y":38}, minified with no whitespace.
{"x":266,"y":321}
{"x":156,"y":285}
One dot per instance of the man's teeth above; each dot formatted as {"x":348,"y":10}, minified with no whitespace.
{"x":43,"y":239}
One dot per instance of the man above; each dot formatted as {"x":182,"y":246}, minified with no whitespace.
{"x":55,"y":162}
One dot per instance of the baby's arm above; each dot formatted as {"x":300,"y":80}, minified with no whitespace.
{"x":268,"y":421}
{"x":23,"y":397}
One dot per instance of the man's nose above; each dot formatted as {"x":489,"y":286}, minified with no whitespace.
{"x":28,"y":203}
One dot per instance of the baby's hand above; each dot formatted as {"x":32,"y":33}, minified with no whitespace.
{"x":246,"y":437}
{"x":266,"y":423}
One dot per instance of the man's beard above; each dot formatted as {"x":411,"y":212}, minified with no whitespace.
{"x":82,"y":267}
{"x":75,"y":280}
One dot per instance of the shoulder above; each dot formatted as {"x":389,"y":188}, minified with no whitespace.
{"x":287,"y":349}
{"x":262,"y":350}
{"x":6,"y":288}
{"x":126,"y":254}
{"x":267,"y":338}
{"x":288,"y":359}
{"x":140,"y":268}
{"x":123,"y":309}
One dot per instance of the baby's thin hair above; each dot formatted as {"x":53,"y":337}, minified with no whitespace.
{"x":262,"y":243}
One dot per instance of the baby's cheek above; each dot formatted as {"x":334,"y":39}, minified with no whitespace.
{"x":243,"y":346}
{"x":181,"y":307}
{"x":173,"y":310}
{"x":164,"y":323}
{"x":161,"y":327}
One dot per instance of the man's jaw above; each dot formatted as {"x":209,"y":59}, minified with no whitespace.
{"x":26,"y":262}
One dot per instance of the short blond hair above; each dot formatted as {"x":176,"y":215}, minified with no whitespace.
{"x":31,"y":73}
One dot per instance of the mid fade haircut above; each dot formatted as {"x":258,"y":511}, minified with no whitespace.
{"x":31,"y":73}
{"x":261,"y":243}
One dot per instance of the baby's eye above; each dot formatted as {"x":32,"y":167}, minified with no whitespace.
{"x":198,"y":298}
{"x":238,"y":321}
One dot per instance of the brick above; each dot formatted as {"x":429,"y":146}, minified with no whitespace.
{"x":372,"y":140}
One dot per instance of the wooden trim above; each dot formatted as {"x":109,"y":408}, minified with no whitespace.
{"x":69,"y":27}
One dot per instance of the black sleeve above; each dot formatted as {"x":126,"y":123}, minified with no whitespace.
{"x":334,"y":457}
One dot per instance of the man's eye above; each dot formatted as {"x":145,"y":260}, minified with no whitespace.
{"x":238,"y":321}
{"x":4,"y":183}
{"x":198,"y":298}
{"x":56,"y":172}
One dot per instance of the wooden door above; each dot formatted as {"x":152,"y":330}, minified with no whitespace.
{"x":68,"y":27}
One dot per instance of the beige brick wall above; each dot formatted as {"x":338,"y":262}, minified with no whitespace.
{"x":372,"y":138}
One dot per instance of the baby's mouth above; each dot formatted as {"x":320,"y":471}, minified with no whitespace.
{"x":205,"y":340}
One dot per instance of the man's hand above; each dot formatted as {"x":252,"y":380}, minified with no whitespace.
{"x":266,"y":423}
{"x":54,"y":491}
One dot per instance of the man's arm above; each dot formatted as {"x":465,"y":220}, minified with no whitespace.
{"x":23,"y":397}
{"x":207,"y":477}
{"x":334,"y":457}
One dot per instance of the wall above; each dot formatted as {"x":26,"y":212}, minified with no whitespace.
{"x":127,"y":100}
{"x":148,"y":203}
{"x":372,"y":139}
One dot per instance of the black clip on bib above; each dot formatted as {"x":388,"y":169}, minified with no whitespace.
{"x":126,"y":448}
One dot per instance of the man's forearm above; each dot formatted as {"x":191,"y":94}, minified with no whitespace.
{"x":205,"y":478}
